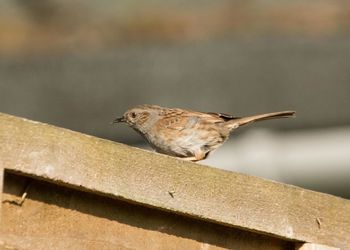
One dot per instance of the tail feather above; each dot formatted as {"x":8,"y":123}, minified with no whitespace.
{"x":235,"y":123}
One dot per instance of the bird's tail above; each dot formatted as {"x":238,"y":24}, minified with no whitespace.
{"x":237,"y":122}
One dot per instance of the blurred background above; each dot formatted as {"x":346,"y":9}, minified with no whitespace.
{"x":79,"y":64}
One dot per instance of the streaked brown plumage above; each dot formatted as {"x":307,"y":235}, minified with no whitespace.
{"x":187,"y":134}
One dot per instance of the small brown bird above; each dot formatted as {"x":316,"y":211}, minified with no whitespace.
{"x":187,"y":134}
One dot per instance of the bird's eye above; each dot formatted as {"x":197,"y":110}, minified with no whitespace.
{"x":133,"y":115}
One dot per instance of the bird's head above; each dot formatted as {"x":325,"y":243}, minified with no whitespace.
{"x":139,"y":118}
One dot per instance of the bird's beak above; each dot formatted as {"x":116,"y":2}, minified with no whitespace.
{"x":117,"y":120}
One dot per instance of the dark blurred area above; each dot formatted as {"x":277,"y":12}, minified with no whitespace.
{"x":79,"y":64}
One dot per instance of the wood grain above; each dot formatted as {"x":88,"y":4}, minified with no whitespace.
{"x":312,"y":246}
{"x":138,"y":176}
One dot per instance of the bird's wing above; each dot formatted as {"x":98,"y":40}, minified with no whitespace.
{"x":173,"y":119}
{"x":179,"y":119}
{"x":224,"y":117}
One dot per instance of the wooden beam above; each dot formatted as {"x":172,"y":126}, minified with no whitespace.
{"x":55,"y":217}
{"x":1,"y":190}
{"x":312,"y":246}
{"x":138,"y":176}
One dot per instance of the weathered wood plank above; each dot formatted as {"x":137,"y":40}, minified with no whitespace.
{"x":312,"y":246}
{"x":1,"y":189}
{"x":59,"y":218}
{"x":143,"y":177}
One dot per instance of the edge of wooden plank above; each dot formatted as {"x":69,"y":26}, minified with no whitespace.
{"x":312,"y":246}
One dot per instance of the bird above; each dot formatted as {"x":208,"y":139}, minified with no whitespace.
{"x":186,"y":134}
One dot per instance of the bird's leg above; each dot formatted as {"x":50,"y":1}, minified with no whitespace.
{"x":190,"y":158}
{"x":198,"y":156}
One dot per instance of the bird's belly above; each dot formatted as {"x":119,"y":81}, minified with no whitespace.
{"x":184,"y":145}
